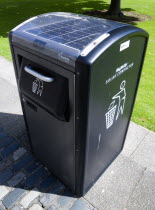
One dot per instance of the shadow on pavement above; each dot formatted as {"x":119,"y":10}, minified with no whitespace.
{"x":18,"y":166}
{"x":13,"y":125}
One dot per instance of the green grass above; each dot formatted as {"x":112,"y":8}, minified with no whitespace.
{"x":13,"y":12}
{"x":144,"y":110}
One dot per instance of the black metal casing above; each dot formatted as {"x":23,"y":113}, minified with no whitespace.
{"x":78,"y":124}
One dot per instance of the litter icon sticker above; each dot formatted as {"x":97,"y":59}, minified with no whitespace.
{"x":116,"y":108}
{"x":37,"y":86}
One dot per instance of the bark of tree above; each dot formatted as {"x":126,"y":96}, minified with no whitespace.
{"x":115,"y":8}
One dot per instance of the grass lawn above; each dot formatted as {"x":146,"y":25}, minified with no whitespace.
{"x":13,"y":12}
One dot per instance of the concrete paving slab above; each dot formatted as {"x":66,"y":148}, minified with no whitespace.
{"x":7,"y":71}
{"x":9,"y":96}
{"x":11,"y":116}
{"x":116,"y":165}
{"x":134,"y":137}
{"x":145,"y":153}
{"x":113,"y":190}
{"x":143,"y":196}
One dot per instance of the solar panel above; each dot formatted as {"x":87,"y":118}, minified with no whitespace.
{"x":73,"y":33}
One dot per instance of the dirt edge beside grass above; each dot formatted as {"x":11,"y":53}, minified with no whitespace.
{"x":130,"y":17}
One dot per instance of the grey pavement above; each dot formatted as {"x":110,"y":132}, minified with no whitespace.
{"x":128,"y":184}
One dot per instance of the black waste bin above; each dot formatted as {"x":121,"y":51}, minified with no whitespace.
{"x":77,"y":78}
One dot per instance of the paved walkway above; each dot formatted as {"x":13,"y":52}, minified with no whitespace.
{"x":129,"y":183}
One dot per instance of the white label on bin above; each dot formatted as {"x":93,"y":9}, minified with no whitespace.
{"x":124,"y":45}
{"x":116,"y":107}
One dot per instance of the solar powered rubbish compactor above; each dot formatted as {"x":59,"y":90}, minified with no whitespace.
{"x":77,"y":78}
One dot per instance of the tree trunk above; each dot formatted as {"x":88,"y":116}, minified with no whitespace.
{"x":115,"y":8}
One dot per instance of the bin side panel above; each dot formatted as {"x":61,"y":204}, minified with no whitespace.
{"x":114,"y":81}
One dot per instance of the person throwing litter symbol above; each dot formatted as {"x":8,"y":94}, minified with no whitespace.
{"x":120,"y":96}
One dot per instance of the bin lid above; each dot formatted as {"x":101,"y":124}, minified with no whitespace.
{"x":62,"y":36}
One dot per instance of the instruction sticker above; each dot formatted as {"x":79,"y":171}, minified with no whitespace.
{"x":124,"y":45}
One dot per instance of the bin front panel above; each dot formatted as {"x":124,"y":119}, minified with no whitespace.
{"x":52,"y":138}
{"x":52,"y":141}
{"x":114,"y":80}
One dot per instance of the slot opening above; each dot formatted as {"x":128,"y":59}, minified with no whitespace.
{"x":32,"y":106}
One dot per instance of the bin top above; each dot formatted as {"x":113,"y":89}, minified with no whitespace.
{"x":62,"y":36}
